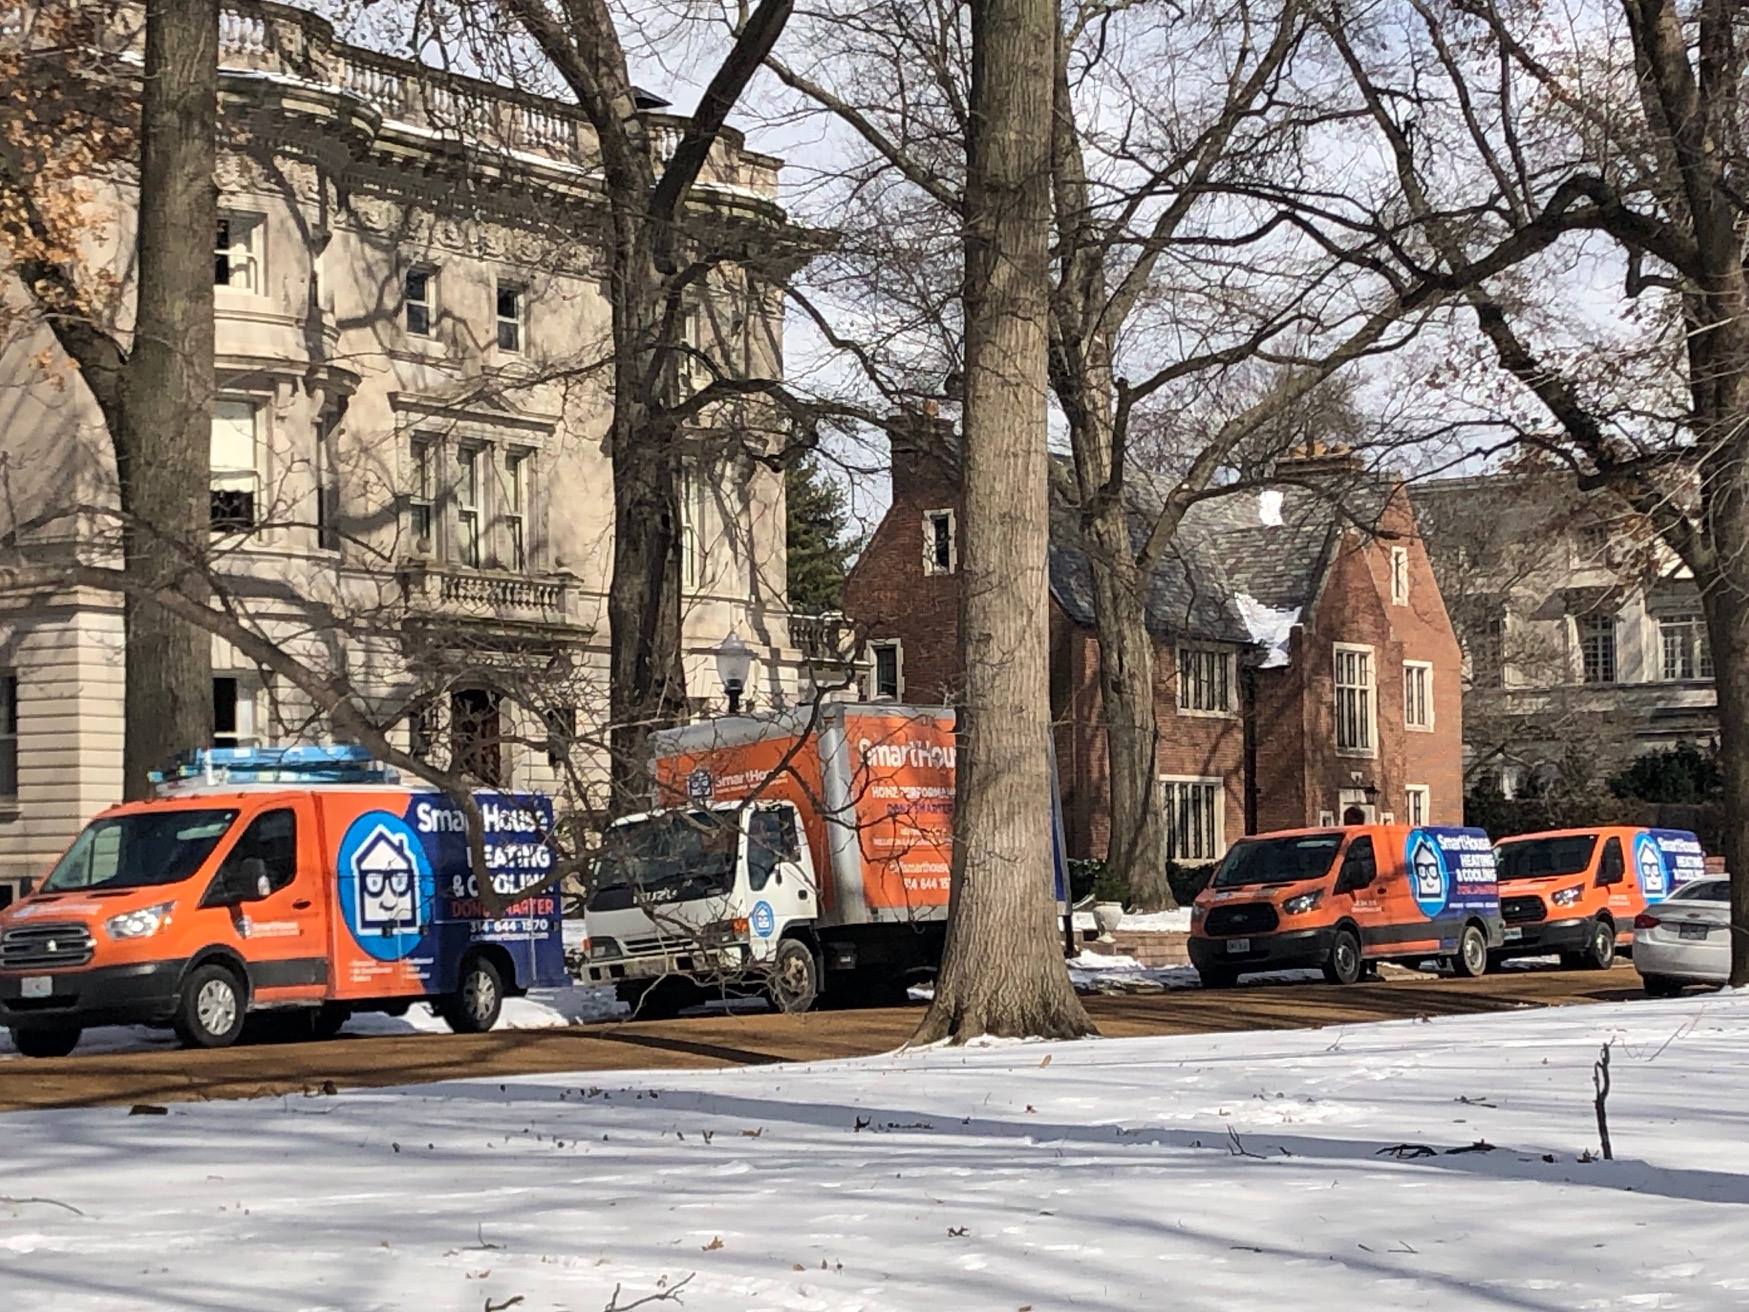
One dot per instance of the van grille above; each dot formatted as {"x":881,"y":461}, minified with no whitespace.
{"x":1242,"y":918}
{"x":1522,"y":910}
{"x":37,"y":947}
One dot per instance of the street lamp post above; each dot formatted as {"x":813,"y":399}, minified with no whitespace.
{"x":734,"y":665}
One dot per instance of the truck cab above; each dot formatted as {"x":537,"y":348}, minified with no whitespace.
{"x":690,"y":899}
{"x":1576,"y":892}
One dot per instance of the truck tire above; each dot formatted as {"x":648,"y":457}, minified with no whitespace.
{"x":45,"y":1040}
{"x":1471,"y":958}
{"x":1598,"y":952}
{"x":1345,"y":964}
{"x":211,"y":1008}
{"x":794,"y":982}
{"x":478,"y":998}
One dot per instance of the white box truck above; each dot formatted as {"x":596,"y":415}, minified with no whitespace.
{"x":803,"y":853}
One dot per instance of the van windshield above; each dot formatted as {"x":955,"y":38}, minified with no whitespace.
{"x":673,"y":857}
{"x":1538,"y":858}
{"x":1277,"y":860}
{"x":141,"y":850}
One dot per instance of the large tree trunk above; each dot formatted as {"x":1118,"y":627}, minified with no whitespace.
{"x":163,"y":444}
{"x":1002,"y":971}
{"x":648,"y":684}
{"x":1728,"y":632}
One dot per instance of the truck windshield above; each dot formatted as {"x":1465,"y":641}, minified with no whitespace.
{"x":140,"y":850}
{"x":1537,"y":858}
{"x":673,"y":857}
{"x":1277,"y":860}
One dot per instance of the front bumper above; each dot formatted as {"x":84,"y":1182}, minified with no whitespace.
{"x":141,"y":994}
{"x":730,"y":959}
{"x":1292,"y":950}
{"x":1538,"y":938}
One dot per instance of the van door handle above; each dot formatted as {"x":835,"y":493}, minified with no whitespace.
{"x":302,"y":904}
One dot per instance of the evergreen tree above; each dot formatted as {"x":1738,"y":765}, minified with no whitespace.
{"x":819,"y":545}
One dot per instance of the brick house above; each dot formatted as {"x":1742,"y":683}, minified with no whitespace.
{"x":1306,"y":669}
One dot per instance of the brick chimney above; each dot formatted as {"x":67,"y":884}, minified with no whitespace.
{"x":925,"y":456}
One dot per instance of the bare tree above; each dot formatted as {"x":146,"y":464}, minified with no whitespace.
{"x":1629,"y":131}
{"x":153,"y":384}
{"x":1001,"y":894}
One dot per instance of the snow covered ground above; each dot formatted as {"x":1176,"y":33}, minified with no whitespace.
{"x":1309,"y":1170}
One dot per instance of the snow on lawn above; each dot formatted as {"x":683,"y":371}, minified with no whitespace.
{"x":1309,"y":1170}
{"x":1176,"y":921}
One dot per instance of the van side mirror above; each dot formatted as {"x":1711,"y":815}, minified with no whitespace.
{"x":247,"y":881}
{"x":254,"y":884}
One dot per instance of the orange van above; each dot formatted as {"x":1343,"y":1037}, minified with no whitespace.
{"x":1576,"y":891}
{"x":1342,"y":899}
{"x":296,"y":878}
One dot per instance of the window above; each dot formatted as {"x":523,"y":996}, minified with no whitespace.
{"x":771,"y":840}
{"x":1354,"y":700}
{"x":1591,"y":542}
{"x":476,"y":736}
{"x":1612,"y":867}
{"x":272,"y":839}
{"x":1194,"y":824}
{"x":1360,"y":866}
{"x":1686,"y":652}
{"x":1399,"y":576}
{"x":1420,"y":801}
{"x":237,"y":252}
{"x":1205,"y":683}
{"x":510,"y":309}
{"x":327,"y":490}
{"x":940,"y":551}
{"x":8,"y":735}
{"x":233,"y":711}
{"x":1596,"y":648}
{"x":692,"y":508}
{"x":1417,"y":695}
{"x":233,"y":456}
{"x":886,"y":677}
{"x":467,"y":505}
{"x":517,"y":465}
{"x":416,"y":297}
{"x":1488,"y":654}
{"x":421,"y":482}
{"x":424,"y":727}
{"x":561,"y":723}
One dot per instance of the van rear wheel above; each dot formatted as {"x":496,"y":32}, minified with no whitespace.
{"x":478,"y":998}
{"x":1471,"y":958}
{"x":211,"y":1009}
{"x":1344,"y":965}
{"x":45,"y":1040}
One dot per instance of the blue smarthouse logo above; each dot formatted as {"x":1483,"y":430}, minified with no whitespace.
{"x":386,"y":885}
{"x":1428,"y":875}
{"x":1649,"y":868}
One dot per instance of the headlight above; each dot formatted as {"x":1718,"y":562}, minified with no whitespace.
{"x":1298,"y":906}
{"x":723,"y":931}
{"x":597,"y":948}
{"x":143,"y":923}
{"x":1566,"y":897}
{"x":1197,"y":912}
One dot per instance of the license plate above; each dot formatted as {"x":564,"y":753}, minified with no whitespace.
{"x":1692,"y":931}
{"x":1238,"y":945}
{"x":1511,"y":934}
{"x":37,"y":986}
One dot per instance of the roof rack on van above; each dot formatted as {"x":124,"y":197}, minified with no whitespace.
{"x":341,"y":763}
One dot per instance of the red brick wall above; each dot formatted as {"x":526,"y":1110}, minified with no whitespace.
{"x":888,"y":593}
{"x":1354,"y":606}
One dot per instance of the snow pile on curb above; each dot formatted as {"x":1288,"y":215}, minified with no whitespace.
{"x":1431,"y":1165}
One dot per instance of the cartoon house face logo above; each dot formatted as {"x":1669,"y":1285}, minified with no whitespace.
{"x":1649,"y":865}
{"x":386,"y":885}
{"x":1427,"y":870}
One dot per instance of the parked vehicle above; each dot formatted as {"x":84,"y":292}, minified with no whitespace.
{"x":1576,"y":891}
{"x":802,"y":854}
{"x":1685,"y":939}
{"x":1342,"y":900}
{"x":303,"y":879}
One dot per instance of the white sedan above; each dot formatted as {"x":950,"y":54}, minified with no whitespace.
{"x":1685,"y":939}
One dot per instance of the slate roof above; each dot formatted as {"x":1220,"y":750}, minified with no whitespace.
{"x":1223,"y":550}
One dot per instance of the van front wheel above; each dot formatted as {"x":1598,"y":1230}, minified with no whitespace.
{"x":479,"y":996}
{"x":1471,"y":958}
{"x":1344,"y":965}
{"x":1599,"y":950}
{"x":44,"y":1041}
{"x":212,"y":1008}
